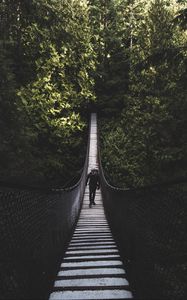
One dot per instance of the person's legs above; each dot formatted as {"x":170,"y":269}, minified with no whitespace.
{"x":93,"y":196}
{"x":92,"y":191}
{"x":90,"y":195}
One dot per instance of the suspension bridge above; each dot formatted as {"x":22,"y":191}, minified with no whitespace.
{"x":92,"y":267}
{"x":130,"y":245}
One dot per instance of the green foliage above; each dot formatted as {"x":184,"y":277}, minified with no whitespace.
{"x":181,"y":18}
{"x":50,"y":87}
{"x":146,"y":141}
{"x":57,"y":55}
{"x":110,"y":42}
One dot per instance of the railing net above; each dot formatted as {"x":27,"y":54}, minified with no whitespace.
{"x":35,"y":228}
{"x":150,"y":228}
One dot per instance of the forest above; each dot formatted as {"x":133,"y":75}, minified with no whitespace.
{"x":62,"y":59}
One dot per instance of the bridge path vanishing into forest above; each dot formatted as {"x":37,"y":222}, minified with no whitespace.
{"x":92,"y":267}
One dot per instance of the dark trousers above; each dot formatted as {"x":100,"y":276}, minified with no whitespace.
{"x":92,"y":193}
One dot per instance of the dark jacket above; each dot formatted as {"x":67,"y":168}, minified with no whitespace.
{"x":94,"y":180}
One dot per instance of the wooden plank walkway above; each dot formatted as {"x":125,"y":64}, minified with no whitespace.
{"x":92,"y":267}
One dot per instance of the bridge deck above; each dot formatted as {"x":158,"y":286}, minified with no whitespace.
{"x":92,"y":268}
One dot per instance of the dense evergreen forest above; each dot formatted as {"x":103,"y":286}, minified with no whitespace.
{"x":124,"y":58}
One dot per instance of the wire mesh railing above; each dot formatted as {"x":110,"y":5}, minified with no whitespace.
{"x":149,"y":225}
{"x":35,"y":228}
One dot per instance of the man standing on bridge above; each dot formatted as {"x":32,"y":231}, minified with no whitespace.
{"x":94,"y":182}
